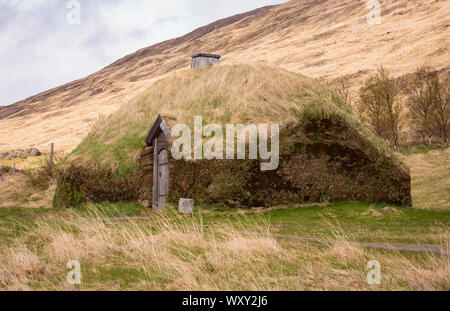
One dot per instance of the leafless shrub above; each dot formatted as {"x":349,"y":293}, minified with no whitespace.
{"x":420,"y":101}
{"x":441,"y":111}
{"x":429,"y":106}
{"x":380,"y":106}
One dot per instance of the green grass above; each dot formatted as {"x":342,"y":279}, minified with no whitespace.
{"x":360,"y":221}
{"x":363,"y":222}
{"x":419,"y":148}
{"x":107,"y":275}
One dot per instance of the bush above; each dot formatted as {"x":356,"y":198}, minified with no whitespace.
{"x":441,"y":111}
{"x":78,"y":184}
{"x":420,"y":101}
{"x":429,"y":106}
{"x":380,"y":106}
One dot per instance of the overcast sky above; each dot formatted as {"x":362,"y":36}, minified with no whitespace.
{"x":40,"y":49}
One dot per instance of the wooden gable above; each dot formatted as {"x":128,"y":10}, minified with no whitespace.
{"x":159,"y":127}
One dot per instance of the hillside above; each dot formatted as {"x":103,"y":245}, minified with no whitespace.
{"x":321,"y":39}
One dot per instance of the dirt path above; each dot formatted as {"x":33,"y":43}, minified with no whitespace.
{"x":393,"y":246}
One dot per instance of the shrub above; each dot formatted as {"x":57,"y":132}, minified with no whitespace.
{"x":441,"y":111}
{"x":380,"y":106}
{"x":429,"y":106}
{"x":420,"y":92}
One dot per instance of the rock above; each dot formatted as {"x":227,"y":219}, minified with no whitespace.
{"x":5,"y":169}
{"x":20,"y":153}
{"x":34,"y":152}
{"x":145,"y":203}
{"x":97,"y":91}
{"x":186,"y":206}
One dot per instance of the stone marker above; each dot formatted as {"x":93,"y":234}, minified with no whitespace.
{"x":388,"y":209}
{"x":186,"y":206}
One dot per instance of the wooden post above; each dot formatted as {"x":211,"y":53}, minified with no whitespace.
{"x":14,"y":169}
{"x":155,"y":194}
{"x":51,"y":155}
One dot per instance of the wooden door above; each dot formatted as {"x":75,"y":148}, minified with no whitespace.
{"x":163,"y":178}
{"x":155,"y":196}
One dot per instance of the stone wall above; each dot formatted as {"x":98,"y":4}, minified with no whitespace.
{"x":20,"y":154}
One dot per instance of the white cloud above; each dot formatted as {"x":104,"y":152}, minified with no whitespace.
{"x":39,"y":50}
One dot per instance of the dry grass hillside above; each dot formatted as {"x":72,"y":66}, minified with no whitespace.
{"x":322,"y":39}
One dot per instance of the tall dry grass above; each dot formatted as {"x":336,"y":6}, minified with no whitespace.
{"x":16,"y":191}
{"x":169,"y":252}
{"x":11,"y":189}
{"x":430,"y":174}
{"x":33,"y":184}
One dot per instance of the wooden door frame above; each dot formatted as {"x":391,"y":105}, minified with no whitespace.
{"x":159,"y":128}
{"x":155,"y":194}
{"x":163,"y":177}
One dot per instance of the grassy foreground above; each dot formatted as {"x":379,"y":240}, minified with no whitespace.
{"x":123,"y":246}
